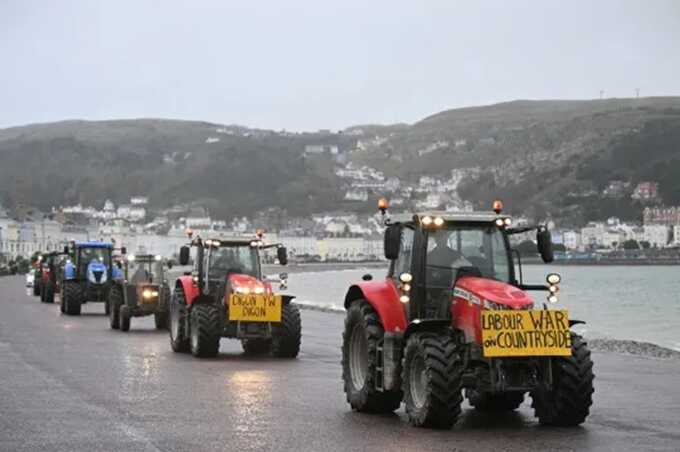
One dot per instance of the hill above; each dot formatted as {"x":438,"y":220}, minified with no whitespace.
{"x":542,"y":157}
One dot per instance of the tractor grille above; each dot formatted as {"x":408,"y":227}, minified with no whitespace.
{"x":97,"y":275}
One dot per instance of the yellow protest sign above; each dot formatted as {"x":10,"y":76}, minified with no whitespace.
{"x":525,"y":333}
{"x":255,"y":307}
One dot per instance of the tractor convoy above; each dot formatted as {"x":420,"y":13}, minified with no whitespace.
{"x":452,"y":319}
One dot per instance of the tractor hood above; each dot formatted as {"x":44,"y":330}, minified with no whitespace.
{"x":497,"y":292}
{"x":240,"y":282}
{"x":96,"y":272}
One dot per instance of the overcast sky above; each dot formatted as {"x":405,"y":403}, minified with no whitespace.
{"x":310,"y":64}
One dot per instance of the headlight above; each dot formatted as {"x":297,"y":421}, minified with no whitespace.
{"x":158,"y":258}
{"x":553,"y":278}
{"x":405,"y":277}
{"x":438,"y":221}
{"x":406,"y":287}
{"x":427,"y":220}
{"x":242,"y":290}
{"x":552,"y":298}
{"x":404,"y":299}
{"x":259,"y":290}
{"x":499,"y":222}
{"x":131,"y":258}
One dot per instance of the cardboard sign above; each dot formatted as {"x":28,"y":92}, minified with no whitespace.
{"x":525,"y":333}
{"x":255,"y":307}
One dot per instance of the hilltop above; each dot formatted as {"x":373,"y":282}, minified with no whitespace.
{"x":542,"y":157}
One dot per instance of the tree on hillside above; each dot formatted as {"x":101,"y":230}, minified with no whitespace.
{"x":631,"y":244}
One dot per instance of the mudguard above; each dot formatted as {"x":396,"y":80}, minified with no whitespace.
{"x":573,"y":322}
{"x":190,"y":288}
{"x":69,"y":271}
{"x":384,"y":298}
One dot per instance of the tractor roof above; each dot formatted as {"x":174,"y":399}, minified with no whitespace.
{"x":232,"y":241}
{"x":454,"y":217}
{"x":145,"y":257}
{"x":93,"y":244}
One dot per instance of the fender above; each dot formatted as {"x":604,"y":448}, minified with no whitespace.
{"x":384,"y":298}
{"x":286,"y":299}
{"x":573,"y":322}
{"x":69,"y":271}
{"x":190,"y":289}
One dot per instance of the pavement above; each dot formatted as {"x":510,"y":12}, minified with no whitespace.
{"x":72,"y":384}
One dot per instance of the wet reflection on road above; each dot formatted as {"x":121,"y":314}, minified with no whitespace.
{"x":250,"y":399}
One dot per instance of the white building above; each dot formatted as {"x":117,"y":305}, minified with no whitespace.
{"x":572,"y":240}
{"x":676,"y":235}
{"x":656,"y":235}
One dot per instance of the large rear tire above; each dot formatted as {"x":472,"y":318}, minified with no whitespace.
{"x":178,"y":318}
{"x":36,"y":288}
{"x":205,"y":331}
{"x":431,"y":380}
{"x":115,"y":302}
{"x":73,"y":298}
{"x":487,"y":402}
{"x":568,"y":403}
{"x":256,"y":346}
{"x":287,"y":335}
{"x":363,"y":332}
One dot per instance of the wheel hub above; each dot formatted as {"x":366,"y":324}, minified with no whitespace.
{"x":418,"y":381}
{"x":358,"y":358}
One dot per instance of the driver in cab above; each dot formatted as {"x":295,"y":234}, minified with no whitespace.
{"x":442,"y":255}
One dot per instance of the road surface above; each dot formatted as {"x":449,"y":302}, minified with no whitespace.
{"x":72,"y":384}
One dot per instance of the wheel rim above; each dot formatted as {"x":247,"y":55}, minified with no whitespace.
{"x":174,"y":323}
{"x":418,"y":381}
{"x":358,"y":357}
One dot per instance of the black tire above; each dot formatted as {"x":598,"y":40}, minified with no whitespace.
{"x":62,"y":297}
{"x":287,"y":335}
{"x":487,"y":402}
{"x":179,"y":341}
{"x":124,"y":314}
{"x":431,"y":380}
{"x":256,"y":346}
{"x":73,"y":298}
{"x":115,"y":302}
{"x":47,"y":294}
{"x":204,"y":333}
{"x":358,"y":374}
{"x":568,"y":403}
{"x":161,"y":320}
{"x":107,"y":307}
{"x":36,"y":288}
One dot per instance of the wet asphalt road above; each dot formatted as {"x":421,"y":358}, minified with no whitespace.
{"x":72,"y":384}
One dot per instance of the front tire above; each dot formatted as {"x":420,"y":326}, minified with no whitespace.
{"x":72,"y":298}
{"x":287,"y":335}
{"x":124,"y":318}
{"x":115,"y":302}
{"x":36,"y":288}
{"x":363,"y":332}
{"x":161,"y":320}
{"x":48,"y":293}
{"x":205,"y":331}
{"x":431,"y":380}
{"x":568,"y":403}
{"x":178,"y":318}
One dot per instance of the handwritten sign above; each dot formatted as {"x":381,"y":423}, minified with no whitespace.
{"x":525,"y":333}
{"x":255,"y":307}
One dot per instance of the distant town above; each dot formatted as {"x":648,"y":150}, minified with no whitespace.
{"x":329,"y":236}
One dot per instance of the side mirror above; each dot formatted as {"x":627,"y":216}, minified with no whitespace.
{"x":184,"y":255}
{"x":544,"y":244}
{"x":282,"y":255}
{"x":392,"y":239}
{"x":123,"y":250}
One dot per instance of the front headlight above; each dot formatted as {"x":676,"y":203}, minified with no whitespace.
{"x":149,"y":293}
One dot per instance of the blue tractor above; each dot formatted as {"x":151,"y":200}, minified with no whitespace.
{"x":88,"y":275}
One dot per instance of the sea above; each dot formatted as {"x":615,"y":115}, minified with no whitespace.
{"x":616,"y":302}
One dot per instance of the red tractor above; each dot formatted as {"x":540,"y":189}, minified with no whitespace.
{"x":50,"y":276}
{"x":226,"y":296}
{"x":452,"y":317}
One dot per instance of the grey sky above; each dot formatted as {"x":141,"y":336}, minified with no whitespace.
{"x":309,"y":64}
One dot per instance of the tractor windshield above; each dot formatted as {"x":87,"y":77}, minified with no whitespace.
{"x":477,"y":250}
{"x":87,"y":255}
{"x":234,"y":259}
